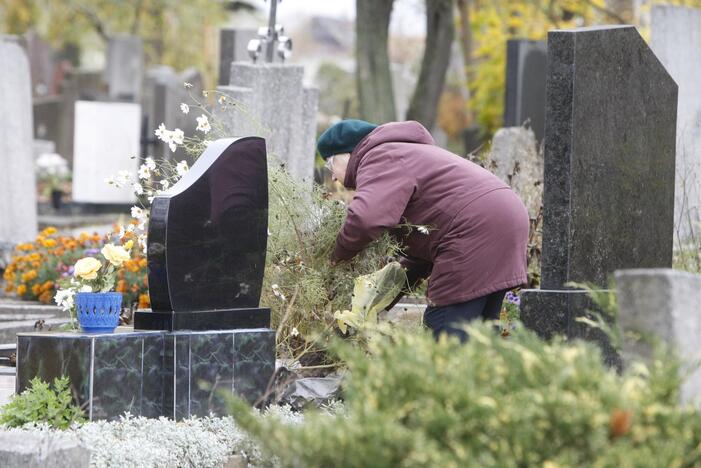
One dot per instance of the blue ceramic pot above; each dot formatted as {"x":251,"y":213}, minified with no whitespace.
{"x":98,"y":312}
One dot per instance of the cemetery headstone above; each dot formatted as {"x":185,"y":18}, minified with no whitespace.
{"x":42,"y":64}
{"x":515,"y":159}
{"x":662,"y":304}
{"x":59,"y":119}
{"x":676,"y":40}
{"x":164,"y":92}
{"x":609,"y":169}
{"x":18,"y":205}
{"x":206,"y":335}
{"x":205,"y":272}
{"x":124,"y":68}
{"x":271,"y":101}
{"x":106,"y":141}
{"x":233,"y":45}
{"x":525,"y":85}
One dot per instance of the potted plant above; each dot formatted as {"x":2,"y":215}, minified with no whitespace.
{"x":89,"y":295}
{"x":53,"y":172}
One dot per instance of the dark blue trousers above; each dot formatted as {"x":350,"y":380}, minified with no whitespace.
{"x":451,"y":318}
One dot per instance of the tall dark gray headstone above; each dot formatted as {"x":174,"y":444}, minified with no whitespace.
{"x":233,"y":45}
{"x":609,"y":168}
{"x":525,"y":85}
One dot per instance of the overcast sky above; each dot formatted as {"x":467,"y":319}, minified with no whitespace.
{"x":407,"y":15}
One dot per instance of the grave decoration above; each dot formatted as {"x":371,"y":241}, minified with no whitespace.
{"x":206,"y":335}
{"x":609,"y":170}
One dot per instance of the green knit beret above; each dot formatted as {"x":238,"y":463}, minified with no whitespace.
{"x":343,"y":136}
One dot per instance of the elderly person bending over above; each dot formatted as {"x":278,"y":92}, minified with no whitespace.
{"x":475,"y":247}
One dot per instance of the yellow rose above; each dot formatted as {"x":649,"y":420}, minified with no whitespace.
{"x":87,"y":268}
{"x":115,"y":254}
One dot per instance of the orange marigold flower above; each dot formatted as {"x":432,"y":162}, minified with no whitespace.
{"x":49,"y":243}
{"x":142,"y":263}
{"x":29,"y":276}
{"x":21,"y":289}
{"x":47,"y":286}
{"x":36,"y":289}
{"x":144,"y":301}
{"x":34,"y":257}
{"x":46,"y":297}
{"x":121,"y":286}
{"x":96,"y":237}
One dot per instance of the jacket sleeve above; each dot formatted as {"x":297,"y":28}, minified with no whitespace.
{"x":384,"y":188}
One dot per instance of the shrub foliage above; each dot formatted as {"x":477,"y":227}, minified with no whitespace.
{"x":492,"y":402}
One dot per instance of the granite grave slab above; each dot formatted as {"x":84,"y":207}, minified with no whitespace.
{"x":609,"y":168}
{"x":151,"y":373}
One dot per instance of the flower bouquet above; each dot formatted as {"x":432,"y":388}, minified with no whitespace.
{"x":89,"y":295}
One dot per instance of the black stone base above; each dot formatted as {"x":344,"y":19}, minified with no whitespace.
{"x":151,"y":373}
{"x":555,"y":312}
{"x":202,"y":320}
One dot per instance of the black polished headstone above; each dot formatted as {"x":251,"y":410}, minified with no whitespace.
{"x":609,"y":168}
{"x":207,"y":240}
{"x":151,"y":373}
{"x":525,"y":85}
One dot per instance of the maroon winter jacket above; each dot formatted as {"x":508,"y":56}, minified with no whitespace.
{"x":478,"y":226}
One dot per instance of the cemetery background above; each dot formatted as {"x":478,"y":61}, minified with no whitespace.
{"x":485,"y":82}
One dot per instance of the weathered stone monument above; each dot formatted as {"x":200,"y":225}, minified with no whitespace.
{"x":271,"y":101}
{"x":206,"y":335}
{"x":524,"y":100}
{"x":676,"y":40}
{"x":515,"y":159}
{"x":662,"y":305}
{"x":18,"y":208}
{"x":609,"y":169}
{"x":105,"y":142}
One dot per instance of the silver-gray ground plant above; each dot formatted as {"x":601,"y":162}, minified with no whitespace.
{"x":197,"y":442}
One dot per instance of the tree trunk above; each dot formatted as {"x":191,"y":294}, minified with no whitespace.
{"x":466,"y":43}
{"x":439,"y":39}
{"x":373,"y":76}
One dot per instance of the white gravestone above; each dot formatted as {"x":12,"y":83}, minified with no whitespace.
{"x":107,"y":137}
{"x":676,"y":40}
{"x":18,"y":204}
